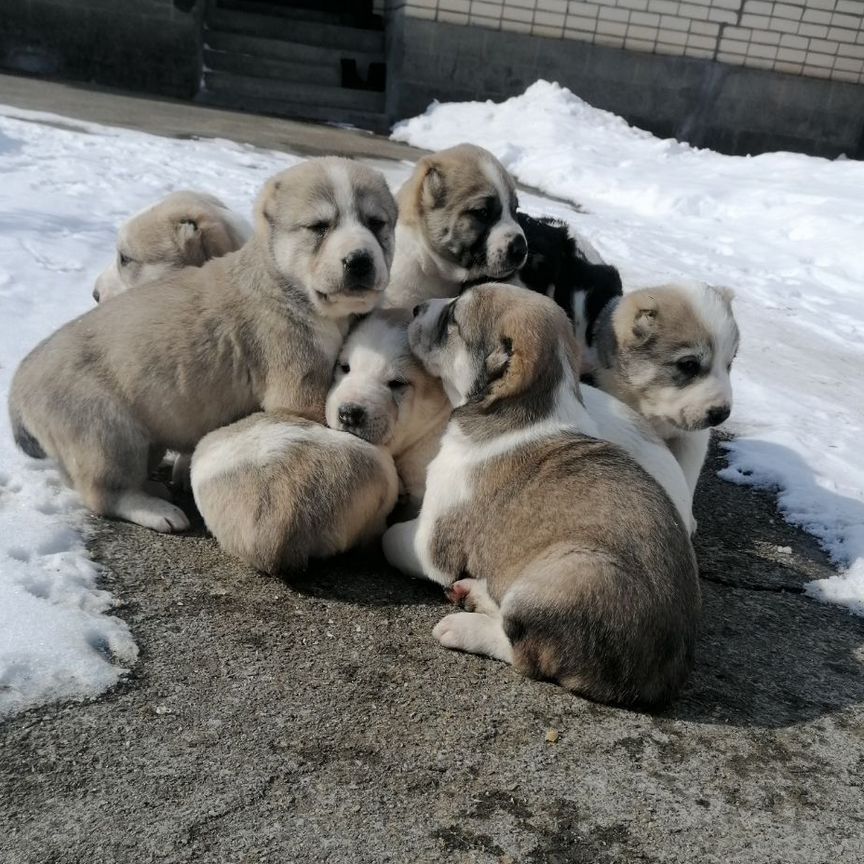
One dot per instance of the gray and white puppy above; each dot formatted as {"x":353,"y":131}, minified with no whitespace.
{"x":159,"y":367}
{"x":580,"y":568}
{"x":382,"y":393}
{"x":667,"y":353}
{"x":276,"y":490}
{"x":457,"y":223}
{"x":184,"y":229}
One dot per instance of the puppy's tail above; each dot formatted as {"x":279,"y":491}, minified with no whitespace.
{"x":24,"y":438}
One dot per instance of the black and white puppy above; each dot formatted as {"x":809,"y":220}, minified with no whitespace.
{"x":567,"y":269}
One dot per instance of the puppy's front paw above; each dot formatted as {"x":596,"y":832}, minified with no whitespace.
{"x":451,"y":631}
{"x":474,"y":633}
{"x":150,"y":512}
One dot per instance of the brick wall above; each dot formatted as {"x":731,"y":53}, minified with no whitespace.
{"x":816,"y":38}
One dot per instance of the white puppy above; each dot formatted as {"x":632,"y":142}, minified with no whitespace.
{"x":382,"y":393}
{"x":667,"y":353}
{"x":185,"y":229}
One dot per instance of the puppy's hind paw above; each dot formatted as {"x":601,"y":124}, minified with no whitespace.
{"x":459,"y":591}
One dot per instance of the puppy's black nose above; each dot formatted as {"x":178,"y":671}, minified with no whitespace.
{"x":418,"y":309}
{"x":358,"y":263}
{"x":717,"y":414}
{"x":352,"y":415}
{"x":96,"y":294}
{"x":516,"y":250}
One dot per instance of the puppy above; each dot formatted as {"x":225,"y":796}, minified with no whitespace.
{"x":667,"y":353}
{"x":382,"y":393}
{"x":161,"y":366}
{"x":570,"y":271}
{"x":578,"y":566}
{"x":276,"y":490}
{"x":185,"y":229}
{"x":457,"y":223}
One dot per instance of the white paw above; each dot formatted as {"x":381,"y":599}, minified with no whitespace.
{"x":170,"y":521}
{"x":474,"y":633}
{"x":452,"y":630}
{"x":153,"y":513}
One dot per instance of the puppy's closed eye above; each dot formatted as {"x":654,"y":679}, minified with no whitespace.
{"x":321,"y":227}
{"x":397,"y":385}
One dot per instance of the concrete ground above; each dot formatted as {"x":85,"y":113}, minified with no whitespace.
{"x":315,"y":720}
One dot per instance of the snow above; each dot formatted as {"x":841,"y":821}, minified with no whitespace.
{"x":785,"y":231}
{"x":65,"y":187}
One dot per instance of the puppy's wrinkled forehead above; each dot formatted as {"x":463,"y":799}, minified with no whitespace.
{"x":330,"y":188}
{"x":472,"y":176}
{"x":695,"y":318}
{"x":490,"y":312}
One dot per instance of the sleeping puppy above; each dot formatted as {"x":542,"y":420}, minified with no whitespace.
{"x":457,"y":223}
{"x":574,"y":560}
{"x":185,"y":229}
{"x":159,"y":367}
{"x":570,"y":271}
{"x":667,"y":353}
{"x":276,"y":490}
{"x":382,"y":394}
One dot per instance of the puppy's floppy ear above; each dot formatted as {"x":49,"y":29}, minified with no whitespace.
{"x":265,"y":205}
{"x":490,"y":385}
{"x":636,"y":318}
{"x":188,"y":237}
{"x":202,"y":236}
{"x":523,"y":350}
{"x":215,"y":238}
{"x":433,"y":190}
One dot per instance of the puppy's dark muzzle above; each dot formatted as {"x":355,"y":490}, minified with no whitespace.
{"x":351,"y":416}
{"x":517,"y":251}
{"x":717,"y":415}
{"x":359,"y":270}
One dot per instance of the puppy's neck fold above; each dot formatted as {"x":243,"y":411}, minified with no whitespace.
{"x":256,"y":271}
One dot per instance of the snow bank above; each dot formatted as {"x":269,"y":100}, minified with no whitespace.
{"x":786,"y":231}
{"x":64,"y":188}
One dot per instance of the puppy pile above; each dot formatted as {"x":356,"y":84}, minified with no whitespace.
{"x":348,"y":360}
